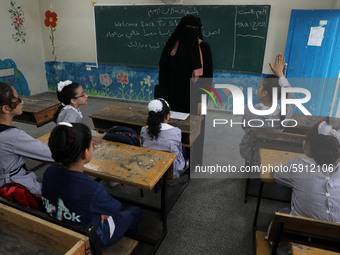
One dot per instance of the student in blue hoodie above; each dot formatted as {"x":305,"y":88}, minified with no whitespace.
{"x":71,"y":196}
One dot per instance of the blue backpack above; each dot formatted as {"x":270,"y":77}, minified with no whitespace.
{"x":122,"y":135}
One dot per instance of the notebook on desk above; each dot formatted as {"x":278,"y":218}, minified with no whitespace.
{"x":179,"y":115}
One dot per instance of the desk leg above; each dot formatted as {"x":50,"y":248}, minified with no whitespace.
{"x":164,"y":196}
{"x":258,"y":205}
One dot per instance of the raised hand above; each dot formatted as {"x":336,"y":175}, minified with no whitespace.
{"x":278,"y":66}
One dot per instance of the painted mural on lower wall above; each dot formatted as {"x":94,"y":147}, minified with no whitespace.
{"x":131,"y":83}
{"x":16,"y":78}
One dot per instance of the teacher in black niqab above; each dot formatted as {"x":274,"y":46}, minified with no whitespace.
{"x":184,"y":56}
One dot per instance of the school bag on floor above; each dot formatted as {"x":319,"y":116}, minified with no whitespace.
{"x":18,"y":193}
{"x":122,"y":135}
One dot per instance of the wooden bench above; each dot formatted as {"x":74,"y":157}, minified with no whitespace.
{"x":124,"y":246}
{"x":288,"y":228}
{"x":53,"y":234}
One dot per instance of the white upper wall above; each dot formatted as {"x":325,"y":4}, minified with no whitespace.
{"x":28,"y":56}
{"x":337,"y":4}
{"x":75,"y":39}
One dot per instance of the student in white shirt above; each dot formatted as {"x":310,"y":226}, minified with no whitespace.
{"x":159,"y":135}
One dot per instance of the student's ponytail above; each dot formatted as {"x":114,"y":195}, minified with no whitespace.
{"x":66,"y":142}
{"x":158,"y":109}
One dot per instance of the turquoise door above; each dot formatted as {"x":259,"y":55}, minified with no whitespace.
{"x":313,"y":57}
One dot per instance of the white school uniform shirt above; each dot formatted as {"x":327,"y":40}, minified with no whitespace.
{"x":15,"y":146}
{"x":315,"y":191}
{"x":169,"y":139}
{"x":70,"y":114}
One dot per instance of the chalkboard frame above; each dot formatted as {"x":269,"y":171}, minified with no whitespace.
{"x":245,"y":63}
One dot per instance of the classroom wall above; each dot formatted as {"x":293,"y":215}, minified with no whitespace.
{"x":337,"y":4}
{"x":75,"y":48}
{"x":26,"y":53}
{"x":74,"y":43}
{"x":75,"y":35}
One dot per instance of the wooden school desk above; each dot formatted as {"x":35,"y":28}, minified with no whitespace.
{"x":273,"y":158}
{"x":37,"y":111}
{"x":52,"y":238}
{"x":287,"y":228}
{"x":275,"y":140}
{"x":299,"y":249}
{"x":305,"y":122}
{"x":131,"y":165}
{"x":136,"y":117}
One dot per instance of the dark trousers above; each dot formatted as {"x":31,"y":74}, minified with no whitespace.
{"x":126,"y":222}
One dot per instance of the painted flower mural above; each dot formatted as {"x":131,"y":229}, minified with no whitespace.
{"x":50,"y":19}
{"x":105,"y":79}
{"x":17,"y":16}
{"x":11,"y":81}
{"x":18,"y":21}
{"x":123,"y":78}
{"x":147,"y":80}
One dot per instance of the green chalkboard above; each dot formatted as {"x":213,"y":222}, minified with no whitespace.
{"x":135,"y":35}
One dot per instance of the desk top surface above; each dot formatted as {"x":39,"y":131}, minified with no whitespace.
{"x":138,"y":116}
{"x":126,"y":164}
{"x":307,"y":121}
{"x":275,"y":158}
{"x":35,"y":105}
{"x":299,"y":249}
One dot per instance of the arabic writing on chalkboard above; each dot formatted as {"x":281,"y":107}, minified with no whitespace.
{"x":133,"y":34}
{"x":136,"y":35}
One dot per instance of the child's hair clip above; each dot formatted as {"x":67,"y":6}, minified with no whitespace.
{"x":63,"y":84}
{"x":164,"y":101}
{"x":65,"y":124}
{"x":325,"y":129}
{"x":155,"y":106}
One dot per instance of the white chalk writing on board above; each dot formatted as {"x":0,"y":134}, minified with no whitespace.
{"x":172,"y":11}
{"x":142,"y":31}
{"x":249,"y":23}
{"x":148,"y":29}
